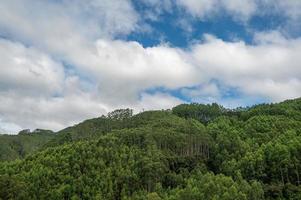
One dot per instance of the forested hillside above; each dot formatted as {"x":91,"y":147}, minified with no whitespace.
{"x":26,"y":142}
{"x":191,"y":152}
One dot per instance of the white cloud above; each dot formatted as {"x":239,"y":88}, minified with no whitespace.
{"x":123,"y":69}
{"x":38,"y":91}
{"x":208,"y":91}
{"x":35,"y":92}
{"x":120,"y":71}
{"x":127,"y":67}
{"x":157,"y":101}
{"x":199,"y":8}
{"x":49,"y":113}
{"x":290,"y":8}
{"x":60,"y":27}
{"x":8,"y":128}
{"x":66,"y":18}
{"x":155,"y":8}
{"x":240,"y":8}
{"x":243,"y":10}
{"x":26,"y":70}
{"x":271,"y":37}
{"x":267,"y":69}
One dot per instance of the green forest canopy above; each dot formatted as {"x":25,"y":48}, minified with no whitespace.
{"x":193,"y":151}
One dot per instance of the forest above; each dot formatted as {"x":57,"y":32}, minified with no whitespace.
{"x":190,"y":152}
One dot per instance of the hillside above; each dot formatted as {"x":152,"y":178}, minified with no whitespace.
{"x":17,"y":146}
{"x":193,"y":151}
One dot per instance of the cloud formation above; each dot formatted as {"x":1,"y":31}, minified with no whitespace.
{"x":264,"y":69}
{"x":242,"y":9}
{"x":63,"y":62}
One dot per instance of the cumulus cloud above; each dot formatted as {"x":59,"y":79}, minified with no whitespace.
{"x":60,"y":27}
{"x":198,"y":8}
{"x":63,"y":63}
{"x":8,"y":128}
{"x":35,"y":91}
{"x":263,"y":69}
{"x":49,"y":113}
{"x":90,"y":18}
{"x":242,"y":10}
{"x":207,"y":92}
{"x":27,"y":70}
{"x":127,"y":67}
{"x":290,"y":8}
{"x":122,"y":70}
{"x":155,"y":8}
{"x":157,"y":101}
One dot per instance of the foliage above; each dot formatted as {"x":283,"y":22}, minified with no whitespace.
{"x":17,"y":146}
{"x":192,"y":152}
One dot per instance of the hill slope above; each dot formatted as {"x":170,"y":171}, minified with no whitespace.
{"x":192,"y":152}
{"x":17,"y":146}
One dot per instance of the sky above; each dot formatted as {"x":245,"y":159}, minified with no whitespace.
{"x":64,"y":61}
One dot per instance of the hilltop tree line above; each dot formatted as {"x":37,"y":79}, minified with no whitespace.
{"x":193,"y":151}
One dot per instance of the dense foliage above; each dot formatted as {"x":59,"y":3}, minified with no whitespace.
{"x":26,"y":142}
{"x":192,"y":152}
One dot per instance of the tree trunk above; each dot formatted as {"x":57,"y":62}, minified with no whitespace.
{"x":281,"y":176}
{"x":297,"y":173}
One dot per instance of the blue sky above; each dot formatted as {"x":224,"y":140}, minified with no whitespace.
{"x":225,"y":25}
{"x":66,"y":61}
